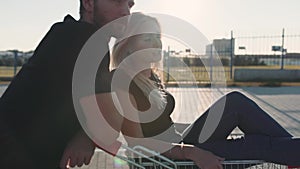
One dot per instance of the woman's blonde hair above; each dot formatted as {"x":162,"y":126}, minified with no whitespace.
{"x":121,"y":50}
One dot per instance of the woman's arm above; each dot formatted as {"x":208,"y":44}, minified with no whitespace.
{"x":130,"y":126}
{"x":134,"y":136}
{"x":202,"y":158}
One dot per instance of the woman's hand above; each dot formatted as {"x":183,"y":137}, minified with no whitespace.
{"x":204,"y":159}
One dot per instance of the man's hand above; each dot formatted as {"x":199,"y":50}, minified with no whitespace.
{"x":78,"y":152}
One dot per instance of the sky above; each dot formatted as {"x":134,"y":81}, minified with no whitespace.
{"x":24,"y":23}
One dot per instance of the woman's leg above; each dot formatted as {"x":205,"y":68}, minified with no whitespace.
{"x":264,"y":138}
{"x":239,"y":111}
{"x":280,"y":150}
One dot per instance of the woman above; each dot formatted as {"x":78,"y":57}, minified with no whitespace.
{"x":146,"y":108}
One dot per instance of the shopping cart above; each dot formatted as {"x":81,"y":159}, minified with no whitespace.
{"x":145,"y":158}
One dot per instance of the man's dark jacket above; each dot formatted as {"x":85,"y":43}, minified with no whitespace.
{"x":37,"y":111}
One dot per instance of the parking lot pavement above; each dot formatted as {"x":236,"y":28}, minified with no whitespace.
{"x":282,"y":103}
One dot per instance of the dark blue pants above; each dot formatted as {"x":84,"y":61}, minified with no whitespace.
{"x":264,"y":138}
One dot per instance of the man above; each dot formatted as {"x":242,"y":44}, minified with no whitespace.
{"x":38,"y":124}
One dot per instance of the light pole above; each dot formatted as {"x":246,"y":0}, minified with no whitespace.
{"x":15,"y":52}
{"x":282,"y":51}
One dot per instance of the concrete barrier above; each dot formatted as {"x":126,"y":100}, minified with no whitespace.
{"x":265,"y":75}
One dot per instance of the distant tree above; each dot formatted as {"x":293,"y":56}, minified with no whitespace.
{"x":247,"y":61}
{"x":186,"y":60}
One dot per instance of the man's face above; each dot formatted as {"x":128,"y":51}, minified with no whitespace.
{"x":106,"y":11}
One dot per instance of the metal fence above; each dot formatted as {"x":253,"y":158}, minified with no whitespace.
{"x":11,"y":62}
{"x":280,"y":51}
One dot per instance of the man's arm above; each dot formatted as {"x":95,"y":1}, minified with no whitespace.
{"x":101,"y":117}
